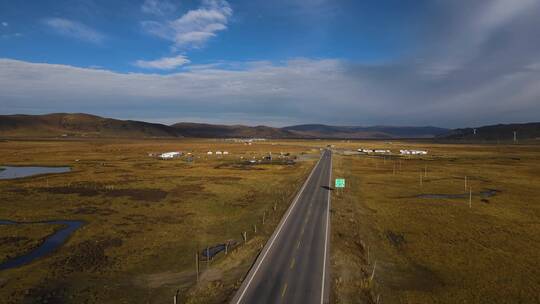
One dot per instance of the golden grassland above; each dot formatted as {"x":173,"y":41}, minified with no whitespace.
{"x":145,"y":218}
{"x":433,"y":249}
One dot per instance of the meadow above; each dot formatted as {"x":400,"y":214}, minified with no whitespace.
{"x":403,"y":230}
{"x":460,"y":225}
{"x":145,"y":219}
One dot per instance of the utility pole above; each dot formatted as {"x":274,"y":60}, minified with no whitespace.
{"x":470,"y":197}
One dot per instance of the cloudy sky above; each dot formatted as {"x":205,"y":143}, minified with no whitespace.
{"x":450,"y":63}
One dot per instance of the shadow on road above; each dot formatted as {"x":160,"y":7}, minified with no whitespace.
{"x":327,"y":188}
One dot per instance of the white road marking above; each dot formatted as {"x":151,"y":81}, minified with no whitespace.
{"x":284,"y":290}
{"x":274,"y":237}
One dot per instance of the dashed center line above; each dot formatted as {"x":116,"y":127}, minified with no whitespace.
{"x":284,"y":290}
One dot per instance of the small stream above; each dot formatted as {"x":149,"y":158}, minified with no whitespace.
{"x":11,"y":172}
{"x":50,"y":244}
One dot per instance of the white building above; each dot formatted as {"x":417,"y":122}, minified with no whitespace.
{"x":218,"y":153}
{"x":209,"y":153}
{"x":365,"y":150}
{"x":413,"y":152}
{"x":170,"y":155}
{"x":225,"y":153}
{"x":380,"y":151}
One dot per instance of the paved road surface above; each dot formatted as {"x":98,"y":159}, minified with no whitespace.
{"x":292,"y":267}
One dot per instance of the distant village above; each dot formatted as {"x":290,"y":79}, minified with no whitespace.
{"x":385,"y":152}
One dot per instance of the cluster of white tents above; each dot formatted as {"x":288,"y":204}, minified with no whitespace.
{"x":176,"y":154}
{"x":217,"y":153}
{"x":376,"y":151}
{"x":170,"y":155}
{"x":384,"y":151}
{"x":413,"y":152}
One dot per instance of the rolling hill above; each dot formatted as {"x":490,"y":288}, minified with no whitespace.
{"x":79,"y":125}
{"x":86,"y":125}
{"x":212,"y":131}
{"x":354,"y":132}
{"x":501,"y":132}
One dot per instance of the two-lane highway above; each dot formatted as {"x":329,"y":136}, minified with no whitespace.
{"x":292,"y":267}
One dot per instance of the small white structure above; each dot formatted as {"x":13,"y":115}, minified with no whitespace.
{"x":209,"y":153}
{"x":170,"y":155}
{"x":365,"y":150}
{"x":413,"y":152}
{"x":379,"y":151}
{"x":225,"y":153}
{"x":218,"y":153}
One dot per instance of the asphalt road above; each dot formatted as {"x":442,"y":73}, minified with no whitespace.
{"x":292,"y":267}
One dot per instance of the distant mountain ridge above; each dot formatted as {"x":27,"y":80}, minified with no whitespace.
{"x":79,"y":124}
{"x":502,"y":132}
{"x":86,"y":125}
{"x":188,"y":129}
{"x":356,"y":132}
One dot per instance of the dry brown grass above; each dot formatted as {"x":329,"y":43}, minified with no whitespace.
{"x":438,"y":250}
{"x":145,"y":218}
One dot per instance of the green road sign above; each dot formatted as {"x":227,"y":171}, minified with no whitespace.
{"x":340,"y":183}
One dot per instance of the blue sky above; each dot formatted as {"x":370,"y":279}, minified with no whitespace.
{"x":112,"y":35}
{"x":445,"y":63}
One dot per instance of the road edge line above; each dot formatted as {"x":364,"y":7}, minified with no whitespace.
{"x":268,"y":246}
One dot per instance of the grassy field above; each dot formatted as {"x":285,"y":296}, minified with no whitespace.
{"x":432,"y":249}
{"x":145,"y":218}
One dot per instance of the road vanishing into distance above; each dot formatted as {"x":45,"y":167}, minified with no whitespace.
{"x":292,"y":267}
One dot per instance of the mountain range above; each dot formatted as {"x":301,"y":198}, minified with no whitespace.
{"x":86,"y":125}
{"x":500,"y":132}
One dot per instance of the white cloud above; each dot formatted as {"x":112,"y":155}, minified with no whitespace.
{"x":470,"y":29}
{"x":74,"y":29}
{"x":8,"y":36}
{"x":301,"y":90}
{"x":158,"y":7}
{"x":195,"y":27}
{"x":477,"y":64}
{"x":166,"y":63}
{"x":4,"y":24}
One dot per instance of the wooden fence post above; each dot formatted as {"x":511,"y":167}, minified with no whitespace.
{"x":197,"y":265}
{"x":176,"y":296}
{"x":207,"y":257}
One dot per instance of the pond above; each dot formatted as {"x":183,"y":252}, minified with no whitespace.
{"x":11,"y":172}
{"x":50,"y":244}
